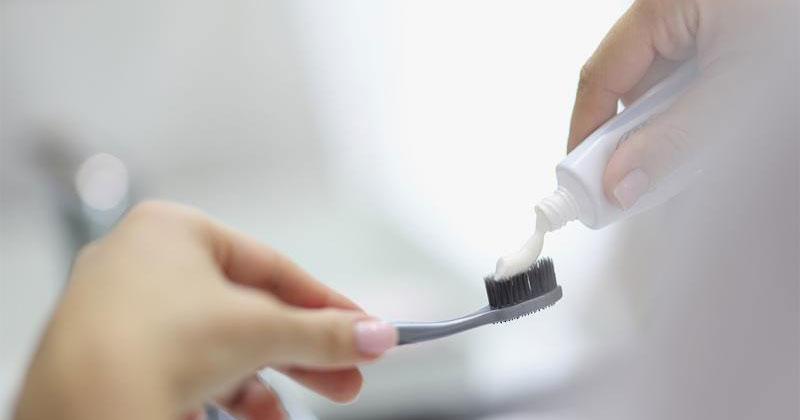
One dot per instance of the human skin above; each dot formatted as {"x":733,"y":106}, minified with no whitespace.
{"x":171,"y":310}
{"x":739,"y":48}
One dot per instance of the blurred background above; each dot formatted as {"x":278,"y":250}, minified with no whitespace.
{"x":394,"y":149}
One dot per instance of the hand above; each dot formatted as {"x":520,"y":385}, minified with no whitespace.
{"x":739,"y":45}
{"x":171,"y":310}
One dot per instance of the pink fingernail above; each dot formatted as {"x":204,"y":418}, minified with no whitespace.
{"x":635,"y":183}
{"x":375,"y":337}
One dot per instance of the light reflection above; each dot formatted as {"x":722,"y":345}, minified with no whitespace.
{"x":102,"y":182}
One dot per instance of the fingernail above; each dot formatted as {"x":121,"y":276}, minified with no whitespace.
{"x":375,"y":337}
{"x":635,"y":183}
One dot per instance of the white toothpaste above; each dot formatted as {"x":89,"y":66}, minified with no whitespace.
{"x":521,"y":260}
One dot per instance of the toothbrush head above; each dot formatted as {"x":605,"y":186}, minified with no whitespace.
{"x":509,"y":298}
{"x":538,"y":280}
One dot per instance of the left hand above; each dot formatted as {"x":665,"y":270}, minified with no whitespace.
{"x":172,"y":309}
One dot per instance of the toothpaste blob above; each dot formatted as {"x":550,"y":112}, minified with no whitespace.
{"x":521,"y":260}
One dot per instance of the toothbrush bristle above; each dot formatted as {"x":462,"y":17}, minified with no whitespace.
{"x":537,"y":280}
{"x":525,"y":314}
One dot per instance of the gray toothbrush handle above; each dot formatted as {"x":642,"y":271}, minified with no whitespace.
{"x":414,"y":332}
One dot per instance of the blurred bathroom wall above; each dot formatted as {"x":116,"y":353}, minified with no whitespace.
{"x":153,"y":84}
{"x":395,"y":149}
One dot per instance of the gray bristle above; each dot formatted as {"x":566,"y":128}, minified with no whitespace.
{"x":537,"y":280}
{"x":525,"y":314}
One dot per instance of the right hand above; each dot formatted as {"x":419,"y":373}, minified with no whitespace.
{"x":740,"y":46}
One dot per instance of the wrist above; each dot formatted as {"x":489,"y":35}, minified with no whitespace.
{"x":92,"y":373}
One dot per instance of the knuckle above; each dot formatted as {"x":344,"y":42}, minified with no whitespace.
{"x":586,"y":77}
{"x":246,"y":313}
{"x":592,"y":78}
{"x":673,"y":37}
{"x":335,"y":340}
{"x":673,"y":25}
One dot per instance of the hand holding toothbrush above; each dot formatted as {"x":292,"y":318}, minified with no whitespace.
{"x":171,"y":310}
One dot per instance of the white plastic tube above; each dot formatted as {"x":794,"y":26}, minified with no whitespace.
{"x":580,"y":189}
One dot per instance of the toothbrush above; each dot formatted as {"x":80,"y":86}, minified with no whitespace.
{"x":509,"y":299}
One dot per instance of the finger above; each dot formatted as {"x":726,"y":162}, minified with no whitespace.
{"x":254,"y":401}
{"x":339,"y":386}
{"x":247,"y":262}
{"x":257,"y":330}
{"x":647,"y":30}
{"x":669,"y":139}
{"x":658,"y":71}
{"x":323,"y":338}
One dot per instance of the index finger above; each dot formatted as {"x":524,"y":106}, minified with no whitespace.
{"x":247,"y":262}
{"x":647,"y":30}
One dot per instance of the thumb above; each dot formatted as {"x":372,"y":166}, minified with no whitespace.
{"x":242,"y":331}
{"x":328,"y":338}
{"x":717,"y":107}
{"x":646,"y":156}
{"x":669,"y":139}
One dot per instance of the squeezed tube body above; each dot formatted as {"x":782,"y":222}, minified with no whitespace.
{"x":580,"y":175}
